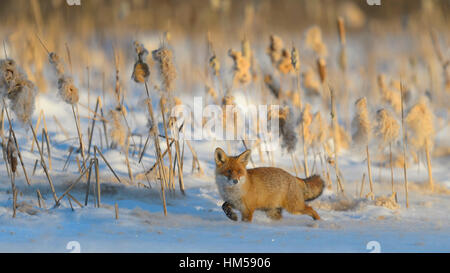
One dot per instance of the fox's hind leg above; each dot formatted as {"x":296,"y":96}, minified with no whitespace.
{"x":228,"y":209}
{"x":274,"y":214}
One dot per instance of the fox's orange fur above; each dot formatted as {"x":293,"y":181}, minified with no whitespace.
{"x":268,"y":189}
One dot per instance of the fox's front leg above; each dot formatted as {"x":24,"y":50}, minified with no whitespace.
{"x":228,"y":209}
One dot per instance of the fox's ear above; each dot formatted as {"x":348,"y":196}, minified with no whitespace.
{"x":244,"y":157}
{"x":220,"y":157}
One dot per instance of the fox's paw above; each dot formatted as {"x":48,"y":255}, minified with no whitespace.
{"x":229,"y":211}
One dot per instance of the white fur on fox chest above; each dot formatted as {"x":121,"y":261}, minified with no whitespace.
{"x":230,"y":192}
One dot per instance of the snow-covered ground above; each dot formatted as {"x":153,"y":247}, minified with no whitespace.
{"x":196,"y":222}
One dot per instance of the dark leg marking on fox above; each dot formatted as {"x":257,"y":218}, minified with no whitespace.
{"x":275,"y":213}
{"x":228,"y":209}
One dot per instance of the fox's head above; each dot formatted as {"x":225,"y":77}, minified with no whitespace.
{"x":232,"y":168}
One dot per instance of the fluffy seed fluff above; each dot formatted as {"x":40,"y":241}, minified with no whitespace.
{"x":420,"y":122}
{"x":67,"y":90}
{"x":387,"y":126}
{"x":163,"y":56}
{"x":241,"y":68}
{"x":306,"y":122}
{"x":18,"y":89}
{"x":314,"y":41}
{"x":117,"y":130}
{"x":362,"y":123}
{"x":275,"y":49}
{"x":319,"y":130}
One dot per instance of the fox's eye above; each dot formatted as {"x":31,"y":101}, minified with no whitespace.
{"x":229,"y":172}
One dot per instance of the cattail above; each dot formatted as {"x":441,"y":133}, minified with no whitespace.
{"x":314,"y":41}
{"x":341,"y":30}
{"x":67,"y":90}
{"x":390,"y":96}
{"x":311,"y":83}
{"x":241,"y":67}
{"x":273,"y":86}
{"x":295,"y":59}
{"x":306,"y":122}
{"x":362,"y":123}
{"x":11,"y":153}
{"x":246,"y":49}
{"x":275,"y":49}
{"x":322,"y":69}
{"x":163,"y":56}
{"x":287,"y":124}
{"x":118,"y":131}
{"x":285,"y":63}
{"x":141,"y":70}
{"x":319,"y":130}
{"x":57,"y":64}
{"x":9,"y":73}
{"x":215,"y":65}
{"x":22,"y":97}
{"x":420,"y":122}
{"x":387,"y":127}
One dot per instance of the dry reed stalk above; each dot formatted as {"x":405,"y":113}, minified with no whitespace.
{"x":97,"y":180}
{"x":306,"y":134}
{"x":116,"y":210}
{"x":88,"y":186}
{"x":405,"y":141}
{"x":17,"y":145}
{"x":295,"y":60}
{"x":80,"y":138}
{"x":178,"y":155}
{"x":154,"y":132}
{"x":14,"y":201}
{"x":195,"y":161}
{"x":49,"y":154}
{"x":107,"y":163}
{"x":93,"y":124}
{"x":38,"y":123}
{"x":74,"y":199}
{"x":362,"y":185}
{"x":127,"y":161}
{"x":41,"y":200}
{"x":334,"y":128}
{"x":162,"y":104}
{"x":74,"y":183}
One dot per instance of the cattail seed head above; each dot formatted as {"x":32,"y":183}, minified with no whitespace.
{"x":295,"y":59}
{"x":285,"y":62}
{"x":57,"y":64}
{"x":322,"y":69}
{"x":163,"y":56}
{"x":341,"y":30}
{"x":215,"y":65}
{"x":117,"y":130}
{"x":141,"y":70}
{"x":387,"y":126}
{"x":11,"y":153}
{"x":362,"y":123}
{"x":67,"y":90}
{"x":275,"y":48}
{"x":241,"y":68}
{"x":314,"y":41}
{"x":420,"y":122}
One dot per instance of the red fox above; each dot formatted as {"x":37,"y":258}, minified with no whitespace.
{"x":268,"y":189}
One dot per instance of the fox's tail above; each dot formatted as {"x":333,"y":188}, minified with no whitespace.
{"x":314,"y":187}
